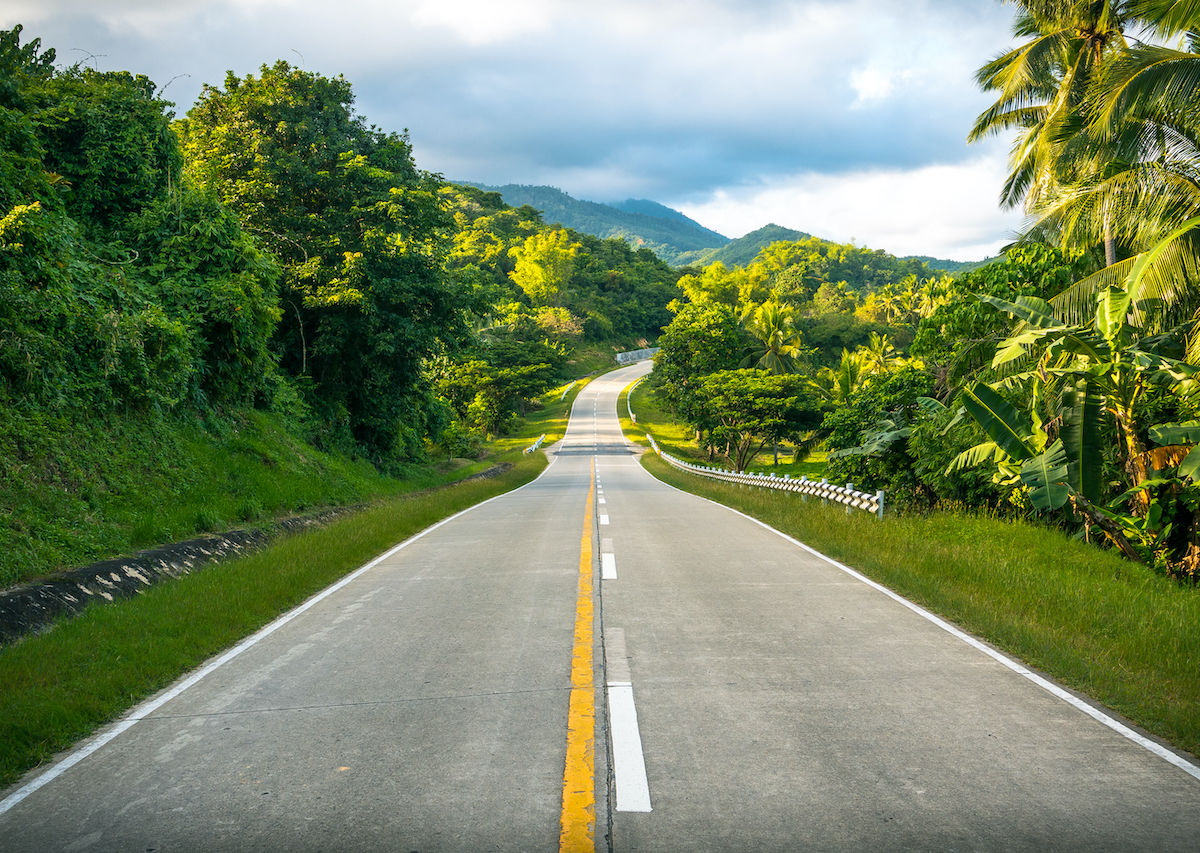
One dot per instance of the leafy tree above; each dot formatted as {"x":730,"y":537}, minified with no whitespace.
{"x":961,"y":334}
{"x":118,"y":290}
{"x":544,"y":265}
{"x":361,"y":236}
{"x":204,"y":270}
{"x":108,"y":140}
{"x":744,"y":410}
{"x":777,"y":343}
{"x":702,"y":339}
{"x":868,"y":434}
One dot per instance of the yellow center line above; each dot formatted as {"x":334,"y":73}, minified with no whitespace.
{"x":578,"y":823}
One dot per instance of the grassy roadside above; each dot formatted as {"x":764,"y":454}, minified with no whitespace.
{"x":61,"y":685}
{"x":74,"y":491}
{"x":1093,"y":621}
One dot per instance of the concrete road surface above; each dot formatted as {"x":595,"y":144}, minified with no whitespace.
{"x":458,"y":695}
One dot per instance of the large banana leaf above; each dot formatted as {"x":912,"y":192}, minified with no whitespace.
{"x":1190,"y":466}
{"x":975,"y":456}
{"x":931,"y":406}
{"x":1112,"y":309}
{"x":1083,"y":417}
{"x":1187,"y":432}
{"x":1030,"y":309}
{"x":999,"y":419}
{"x":1046,"y":476}
{"x":1017,"y":346}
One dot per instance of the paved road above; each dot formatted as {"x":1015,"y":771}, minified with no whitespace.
{"x":760,"y":698}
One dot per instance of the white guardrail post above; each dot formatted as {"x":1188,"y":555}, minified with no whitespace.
{"x":824,"y":490}
{"x":531,"y":448}
{"x":628,"y":395}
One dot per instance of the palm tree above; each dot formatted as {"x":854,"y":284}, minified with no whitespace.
{"x":835,"y":384}
{"x":1144,"y":185}
{"x":777,"y":342}
{"x":878,"y":354}
{"x":1042,"y":86}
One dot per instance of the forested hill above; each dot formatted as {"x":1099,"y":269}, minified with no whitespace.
{"x":743,"y":250}
{"x":155,"y":283}
{"x":677,"y":239}
{"x":640,"y":222}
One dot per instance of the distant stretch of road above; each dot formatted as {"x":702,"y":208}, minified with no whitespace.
{"x":599,"y":661}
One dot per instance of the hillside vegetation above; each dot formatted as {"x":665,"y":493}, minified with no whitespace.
{"x":262,"y":307}
{"x":1058,"y":384}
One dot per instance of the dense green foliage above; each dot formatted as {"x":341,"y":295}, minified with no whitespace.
{"x":268,"y":263}
{"x":1059,"y":383}
{"x":361,"y":237}
{"x":118,"y":289}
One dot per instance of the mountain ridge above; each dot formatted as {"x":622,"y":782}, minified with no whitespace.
{"x":670,"y":234}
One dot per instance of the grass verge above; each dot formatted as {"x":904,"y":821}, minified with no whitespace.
{"x":61,"y":685}
{"x":1091,"y":620}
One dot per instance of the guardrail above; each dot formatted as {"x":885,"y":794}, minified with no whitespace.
{"x":824,"y":490}
{"x":628,"y":394}
{"x":568,"y":388}
{"x":535,"y":445}
{"x":636,"y":355}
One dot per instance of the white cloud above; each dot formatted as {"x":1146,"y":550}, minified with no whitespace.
{"x":871,"y":84}
{"x":481,"y":22}
{"x":673,"y":99}
{"x":947,"y":211}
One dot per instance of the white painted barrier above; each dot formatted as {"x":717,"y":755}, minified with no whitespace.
{"x":636,"y":355}
{"x":628,"y":394}
{"x":535,"y":445}
{"x":824,"y":490}
{"x":568,"y":388}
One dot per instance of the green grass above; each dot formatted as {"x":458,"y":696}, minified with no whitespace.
{"x":1097,"y":623}
{"x":59,"y":686}
{"x":77,"y":490}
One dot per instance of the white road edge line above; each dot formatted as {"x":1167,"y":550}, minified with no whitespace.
{"x":140,"y":712}
{"x":608,"y":567}
{"x":1011,"y":663}
{"x":629,"y":765}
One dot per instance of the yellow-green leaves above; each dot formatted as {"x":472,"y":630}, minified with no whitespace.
{"x":544,"y":264}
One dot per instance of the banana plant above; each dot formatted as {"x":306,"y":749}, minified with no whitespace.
{"x":1101,"y":369}
{"x":1019,"y":449}
{"x":1089,"y":374}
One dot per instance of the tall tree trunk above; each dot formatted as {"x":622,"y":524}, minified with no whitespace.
{"x":1110,"y":244}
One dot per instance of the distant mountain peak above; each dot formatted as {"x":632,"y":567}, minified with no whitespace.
{"x":640,"y":222}
{"x":673,"y":236}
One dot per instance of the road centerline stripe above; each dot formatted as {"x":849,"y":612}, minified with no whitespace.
{"x":577,"y":825}
{"x":629,"y":764}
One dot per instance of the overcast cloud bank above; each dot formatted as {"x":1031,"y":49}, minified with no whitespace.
{"x":843,"y":119}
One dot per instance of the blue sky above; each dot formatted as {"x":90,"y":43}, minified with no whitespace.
{"x":844,"y":118}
